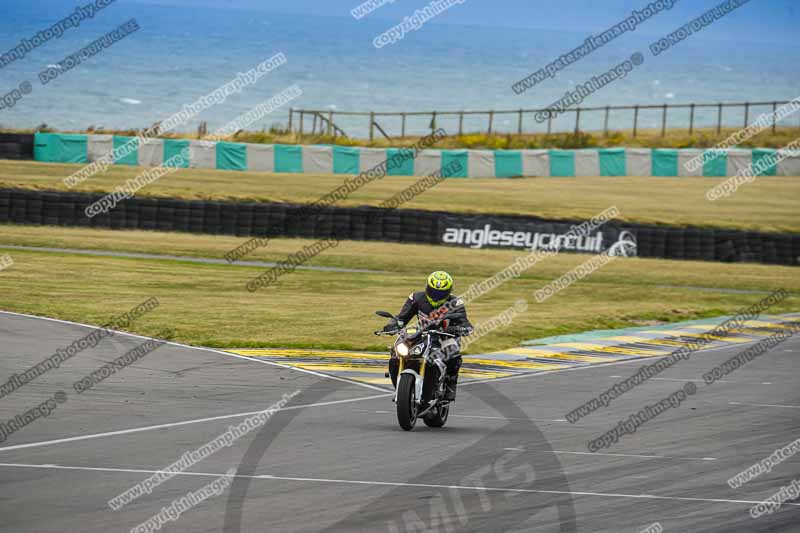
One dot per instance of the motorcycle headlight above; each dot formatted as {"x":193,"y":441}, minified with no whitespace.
{"x":402,"y":349}
{"x":417,"y":349}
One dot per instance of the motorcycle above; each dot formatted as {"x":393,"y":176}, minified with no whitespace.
{"x":419,"y":375}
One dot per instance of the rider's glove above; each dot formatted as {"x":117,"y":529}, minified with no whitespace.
{"x":391,"y":326}
{"x":459,"y":330}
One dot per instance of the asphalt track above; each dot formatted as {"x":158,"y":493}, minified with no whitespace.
{"x":335,"y":460}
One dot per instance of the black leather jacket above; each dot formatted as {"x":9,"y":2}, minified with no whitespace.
{"x":418,"y":305}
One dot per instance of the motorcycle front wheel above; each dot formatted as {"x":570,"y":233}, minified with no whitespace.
{"x":406,"y":402}
{"x":437,"y":417}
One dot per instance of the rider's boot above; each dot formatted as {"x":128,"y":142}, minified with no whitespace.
{"x":451,"y":380}
{"x":394,"y":367}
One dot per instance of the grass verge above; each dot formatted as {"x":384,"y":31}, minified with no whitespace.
{"x":208,"y":304}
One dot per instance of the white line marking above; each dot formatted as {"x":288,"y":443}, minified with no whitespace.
{"x":689,"y":379}
{"x":765,"y":405}
{"x":183,"y":423}
{"x":634,"y":455}
{"x":509,"y":418}
{"x":475,"y":416}
{"x":212,"y":350}
{"x":396,"y":484}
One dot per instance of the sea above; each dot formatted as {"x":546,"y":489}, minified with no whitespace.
{"x":180,"y":54}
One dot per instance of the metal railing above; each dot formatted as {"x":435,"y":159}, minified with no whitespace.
{"x":324,"y":121}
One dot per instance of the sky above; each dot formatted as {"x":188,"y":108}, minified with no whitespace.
{"x":759,"y":21}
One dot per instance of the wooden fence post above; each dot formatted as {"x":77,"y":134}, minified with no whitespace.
{"x":371,"y":126}
{"x":605,"y":122}
{"x":330,"y":123}
{"x":491,"y":119}
{"x":577,"y":120}
{"x":774,"y":118}
{"x":746,"y":114}
{"x":635,"y":120}
{"x":664,"y":121}
{"x":461,"y":124}
{"x":302,"y":114}
{"x":519,"y":123}
{"x":719,"y":118}
{"x":291,"y":112}
{"x":549,"y":123}
{"x":403,"y":127}
{"x":691,"y":119}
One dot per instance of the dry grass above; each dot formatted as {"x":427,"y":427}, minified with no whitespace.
{"x":208,"y":304}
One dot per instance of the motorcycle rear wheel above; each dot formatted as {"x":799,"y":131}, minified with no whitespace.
{"x":437,"y":417}
{"x":406,"y":402}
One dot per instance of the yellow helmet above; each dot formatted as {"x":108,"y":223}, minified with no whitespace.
{"x":440,"y":284}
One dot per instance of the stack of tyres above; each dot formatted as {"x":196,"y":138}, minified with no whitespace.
{"x":359,"y":222}
{"x":260,"y":219}
{"x":244,"y":220}
{"x":228,"y":218}
{"x":197,"y":216}
{"x":724,"y":248}
{"x":305,"y":225}
{"x":34,"y":210}
{"x":66,"y":209}
{"x":644,"y":242}
{"x":5,"y":206}
{"x":212,"y":221}
{"x":16,"y":146}
{"x":323,"y":224}
{"x":19,"y":207}
{"x":148,"y":213}
{"x":180,"y":221}
{"x":341,"y":223}
{"x":277,"y":220}
{"x":707,"y":240}
{"x":374,"y":224}
{"x":659,"y":242}
{"x":293,"y":221}
{"x":675,"y":243}
{"x":692,"y":244}
{"x":125,"y":216}
{"x":392,"y":227}
{"x":755,"y":248}
{"x":165,"y":214}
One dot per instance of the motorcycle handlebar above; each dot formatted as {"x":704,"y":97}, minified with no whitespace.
{"x":430,"y":331}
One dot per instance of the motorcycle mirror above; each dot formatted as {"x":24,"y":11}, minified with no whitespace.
{"x":385,"y":314}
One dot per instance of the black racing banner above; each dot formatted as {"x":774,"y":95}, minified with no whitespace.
{"x":533,"y":234}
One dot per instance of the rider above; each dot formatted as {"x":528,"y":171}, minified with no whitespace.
{"x":429,"y":306}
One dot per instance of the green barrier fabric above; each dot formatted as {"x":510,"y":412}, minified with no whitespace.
{"x":399,"y":162}
{"x":612,"y":162}
{"x":507,"y":163}
{"x":60,"y":148}
{"x":132,"y":157}
{"x":454,"y":171}
{"x":231,"y":156}
{"x":288,"y":158}
{"x":766,"y":157}
{"x":346,"y":160}
{"x":665,"y":163}
{"x":562,"y":163}
{"x":174,"y":147}
{"x":715,"y":167}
